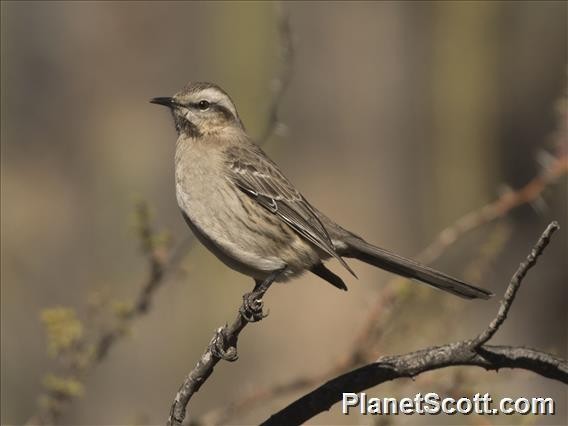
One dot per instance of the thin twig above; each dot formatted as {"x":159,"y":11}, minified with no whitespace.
{"x":514,"y":286}
{"x":503,"y":205}
{"x":282,"y":81}
{"x":466,"y":352}
{"x":499,"y":208}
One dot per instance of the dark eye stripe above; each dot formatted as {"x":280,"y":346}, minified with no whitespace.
{"x":223,"y":110}
{"x":194,"y":105}
{"x":216,"y":107}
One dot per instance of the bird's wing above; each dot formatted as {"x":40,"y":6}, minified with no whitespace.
{"x":258,"y":177}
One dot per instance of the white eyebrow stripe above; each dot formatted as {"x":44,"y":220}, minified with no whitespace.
{"x":214,"y":95}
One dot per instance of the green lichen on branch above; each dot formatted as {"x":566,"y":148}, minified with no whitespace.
{"x":67,"y":386}
{"x":152,"y":242}
{"x":63,"y":329}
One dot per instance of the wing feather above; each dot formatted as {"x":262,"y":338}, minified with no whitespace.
{"x":258,"y":177}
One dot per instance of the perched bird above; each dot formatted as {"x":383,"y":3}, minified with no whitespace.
{"x":241,"y":206}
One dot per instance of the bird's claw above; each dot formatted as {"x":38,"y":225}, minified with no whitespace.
{"x":221,"y":349}
{"x":251,"y":309}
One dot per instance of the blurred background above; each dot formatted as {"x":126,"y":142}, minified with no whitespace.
{"x":400,"y":118}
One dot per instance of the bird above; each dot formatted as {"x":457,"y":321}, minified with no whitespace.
{"x":243,"y":209}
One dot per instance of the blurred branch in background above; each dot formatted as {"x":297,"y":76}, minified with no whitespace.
{"x":394,"y":298}
{"x":531,"y":193}
{"x":80,"y":345}
{"x":282,"y":81}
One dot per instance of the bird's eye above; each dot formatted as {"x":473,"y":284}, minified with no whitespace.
{"x":203,"y":105}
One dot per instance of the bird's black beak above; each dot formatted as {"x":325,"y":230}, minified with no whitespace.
{"x":165,"y":101}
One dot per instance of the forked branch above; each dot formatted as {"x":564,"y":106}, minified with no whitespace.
{"x":466,"y":352}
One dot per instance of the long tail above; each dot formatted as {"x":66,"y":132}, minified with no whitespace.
{"x":360,"y":249}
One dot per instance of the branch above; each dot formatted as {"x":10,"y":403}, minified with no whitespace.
{"x":390,"y":300}
{"x":528,"y":194}
{"x":223,"y":345}
{"x":85,"y":354}
{"x":160,"y":265}
{"x":467,"y":352}
{"x":514,"y":286}
{"x":499,"y":208}
{"x":410,"y":365}
{"x":282,"y":81}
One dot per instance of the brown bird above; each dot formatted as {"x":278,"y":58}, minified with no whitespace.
{"x":242,"y":208}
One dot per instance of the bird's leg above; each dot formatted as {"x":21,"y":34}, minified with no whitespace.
{"x":222,"y":345}
{"x":251,"y":309}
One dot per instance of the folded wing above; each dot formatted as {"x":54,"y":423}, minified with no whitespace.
{"x":258,"y":177}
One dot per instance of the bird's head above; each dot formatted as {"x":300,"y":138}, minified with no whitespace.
{"x":201,"y":109}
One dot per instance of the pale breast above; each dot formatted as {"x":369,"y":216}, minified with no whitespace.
{"x":238,"y":231}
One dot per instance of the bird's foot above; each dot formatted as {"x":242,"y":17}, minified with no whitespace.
{"x":252,"y":307}
{"x":221,"y":349}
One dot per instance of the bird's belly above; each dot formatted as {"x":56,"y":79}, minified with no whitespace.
{"x":244,"y":235}
{"x":234,"y":256}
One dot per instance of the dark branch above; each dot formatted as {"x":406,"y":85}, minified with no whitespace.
{"x":389,"y":368}
{"x":472,"y":352}
{"x":515,"y":284}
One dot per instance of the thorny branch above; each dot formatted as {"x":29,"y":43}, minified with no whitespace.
{"x":466,"y":352}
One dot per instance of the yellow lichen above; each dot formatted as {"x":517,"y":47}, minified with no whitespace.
{"x":68,"y":386}
{"x":63,"y":329}
{"x":122,"y":309}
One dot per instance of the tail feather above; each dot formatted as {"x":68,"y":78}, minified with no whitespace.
{"x":359,"y":249}
{"x":321,"y":271}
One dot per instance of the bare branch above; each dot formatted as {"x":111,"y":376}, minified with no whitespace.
{"x":514,"y":286}
{"x":410,"y":365}
{"x":499,"y":208}
{"x":472,"y":352}
{"x":282,"y":81}
{"x":389,"y":301}
{"x":223,"y":345}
